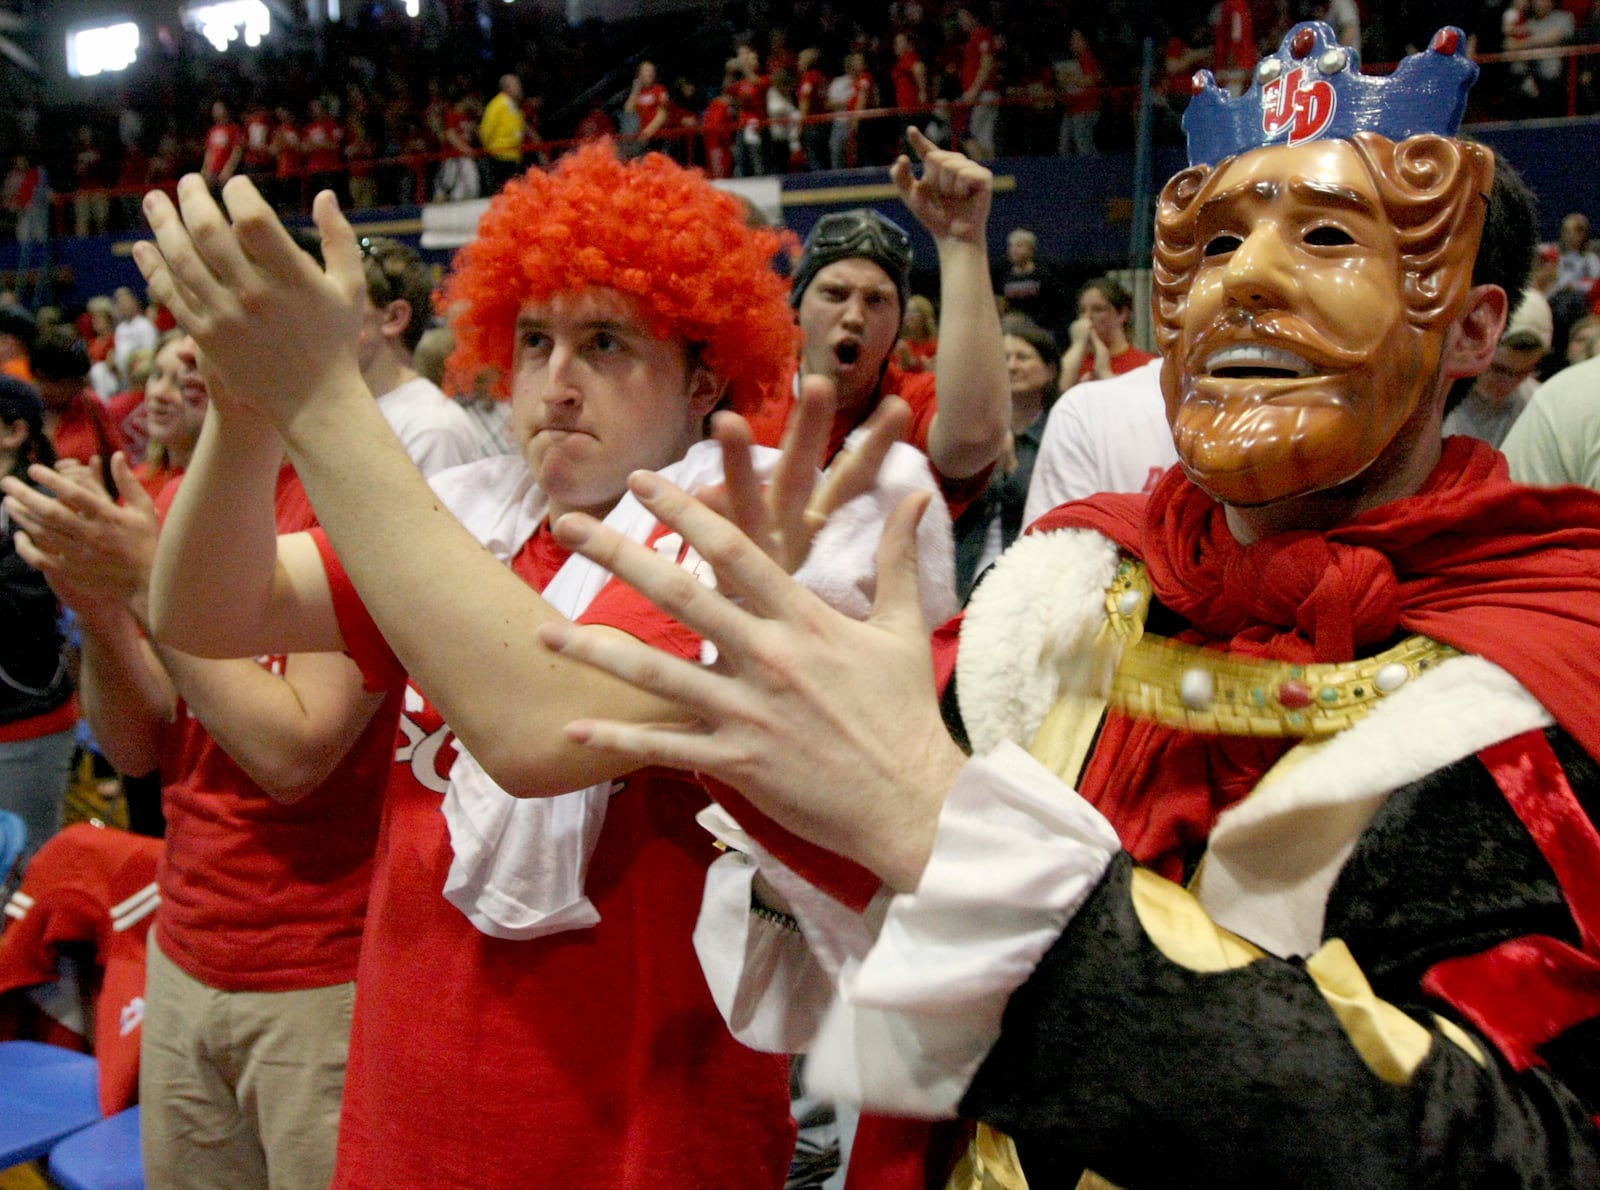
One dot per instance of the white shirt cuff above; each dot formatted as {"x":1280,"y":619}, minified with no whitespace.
{"x":1016,"y":853}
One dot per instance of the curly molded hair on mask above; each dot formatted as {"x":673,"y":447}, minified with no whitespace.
{"x":647,"y":228}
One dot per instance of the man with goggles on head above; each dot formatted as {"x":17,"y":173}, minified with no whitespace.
{"x":850,"y":289}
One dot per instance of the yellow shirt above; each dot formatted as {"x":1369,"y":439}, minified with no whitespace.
{"x":500,"y":130}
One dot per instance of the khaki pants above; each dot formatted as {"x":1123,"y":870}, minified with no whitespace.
{"x":240,"y":1089}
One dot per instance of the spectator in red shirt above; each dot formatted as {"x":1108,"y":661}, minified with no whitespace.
{"x":750,"y":96}
{"x":910,"y":76}
{"x":91,"y":205}
{"x":73,"y":417}
{"x":648,"y":101}
{"x":324,"y":149}
{"x":811,"y":97}
{"x":980,"y":85}
{"x":1236,"y":45}
{"x":224,"y":147}
{"x":458,"y":179}
{"x":1100,"y":348}
{"x":288,"y":158}
{"x":1080,"y":80}
{"x":596,"y":124}
{"x":257,"y":160}
{"x":718,"y":125}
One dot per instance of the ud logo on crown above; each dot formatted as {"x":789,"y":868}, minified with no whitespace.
{"x":1299,"y":102}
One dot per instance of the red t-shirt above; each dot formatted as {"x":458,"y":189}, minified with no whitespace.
{"x":648,"y":102}
{"x":1236,"y":43}
{"x":808,"y":96}
{"x":258,"y":896}
{"x":221,"y":141}
{"x":324,"y":143}
{"x":863,"y":92}
{"x":85,"y":430}
{"x":905,"y":80}
{"x":1124,"y":361}
{"x":286,"y":147}
{"x":591,"y":1057}
{"x":917,"y":389}
{"x":980,"y":43}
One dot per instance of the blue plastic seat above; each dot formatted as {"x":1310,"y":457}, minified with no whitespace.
{"x":46,"y":1093}
{"x":104,"y":1156}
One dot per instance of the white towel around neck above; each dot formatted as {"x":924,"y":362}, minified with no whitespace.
{"x":519,"y":864}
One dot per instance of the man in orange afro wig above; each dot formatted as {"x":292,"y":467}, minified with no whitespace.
{"x":529,"y":1008}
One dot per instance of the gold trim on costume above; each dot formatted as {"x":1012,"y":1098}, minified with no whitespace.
{"x":1215,"y":693}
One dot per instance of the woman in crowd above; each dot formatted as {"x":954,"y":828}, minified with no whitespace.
{"x":175,"y":403}
{"x":1100,"y":348}
{"x":994,"y":520}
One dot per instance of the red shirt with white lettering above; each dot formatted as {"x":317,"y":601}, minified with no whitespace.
{"x":324,"y":145}
{"x":258,"y":896}
{"x":591,"y":1057}
{"x":648,"y":102}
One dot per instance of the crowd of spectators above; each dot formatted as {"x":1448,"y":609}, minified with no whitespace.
{"x":392,"y":110}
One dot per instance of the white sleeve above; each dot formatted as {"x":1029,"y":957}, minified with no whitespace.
{"x":771,"y":982}
{"x":1016,"y":854}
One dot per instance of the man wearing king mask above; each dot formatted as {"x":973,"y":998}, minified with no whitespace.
{"x":1264,"y":852}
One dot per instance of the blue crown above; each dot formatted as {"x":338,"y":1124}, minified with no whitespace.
{"x":1313,"y":89}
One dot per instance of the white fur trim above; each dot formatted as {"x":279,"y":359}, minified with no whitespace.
{"x":1029,"y":633}
{"x":1274,"y":857}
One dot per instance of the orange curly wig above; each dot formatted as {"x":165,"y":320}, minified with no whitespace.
{"x":648,"y":228}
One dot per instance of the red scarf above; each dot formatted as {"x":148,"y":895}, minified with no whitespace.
{"x":1510,"y":573}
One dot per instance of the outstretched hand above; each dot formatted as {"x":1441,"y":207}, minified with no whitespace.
{"x":274,"y":328}
{"x":829,"y":725}
{"x":93,"y":551}
{"x":952,"y":197}
{"x":784,"y":516}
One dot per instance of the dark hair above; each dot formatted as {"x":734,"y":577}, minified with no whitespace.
{"x":1510,"y":233}
{"x":1022,"y":327}
{"x":59,"y":354}
{"x":1112,"y":290}
{"x":396,"y":272}
{"x":19,"y":401}
{"x":1505,"y":249}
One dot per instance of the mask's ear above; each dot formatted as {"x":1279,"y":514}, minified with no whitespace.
{"x":705,"y":391}
{"x":14,"y":435}
{"x":1471,"y":340}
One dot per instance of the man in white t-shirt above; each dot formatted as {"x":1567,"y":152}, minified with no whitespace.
{"x":436,"y":432}
{"x":1102,"y":436}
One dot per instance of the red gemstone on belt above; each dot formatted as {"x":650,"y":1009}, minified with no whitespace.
{"x":1294,"y":695}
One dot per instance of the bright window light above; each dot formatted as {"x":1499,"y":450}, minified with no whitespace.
{"x":229,"y":21}
{"x":102,"y":50}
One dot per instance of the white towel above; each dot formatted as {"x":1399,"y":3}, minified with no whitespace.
{"x":519,"y":863}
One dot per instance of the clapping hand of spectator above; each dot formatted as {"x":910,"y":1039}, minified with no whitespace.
{"x":93,"y":551}
{"x":275,"y":328}
{"x":951,"y":198}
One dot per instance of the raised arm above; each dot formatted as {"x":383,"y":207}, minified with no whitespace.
{"x":951,"y":199}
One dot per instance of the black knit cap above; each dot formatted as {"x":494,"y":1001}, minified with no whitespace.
{"x":847,"y":235}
